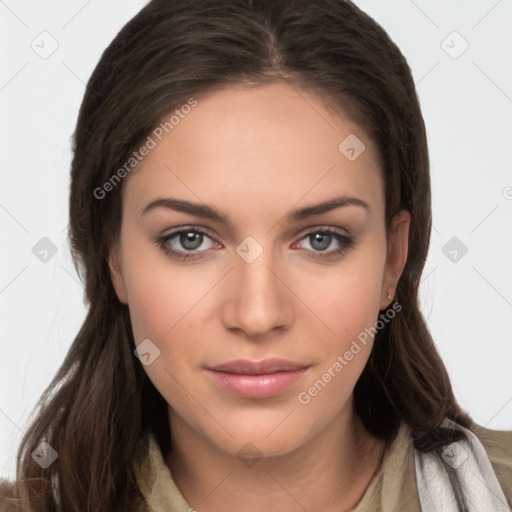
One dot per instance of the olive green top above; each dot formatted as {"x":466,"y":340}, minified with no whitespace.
{"x":393,"y":487}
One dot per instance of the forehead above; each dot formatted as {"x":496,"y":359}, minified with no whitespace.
{"x":272,"y":144}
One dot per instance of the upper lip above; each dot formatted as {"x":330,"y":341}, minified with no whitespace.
{"x":247,"y":367}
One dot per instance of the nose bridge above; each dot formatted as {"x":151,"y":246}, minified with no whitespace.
{"x":259,"y":301}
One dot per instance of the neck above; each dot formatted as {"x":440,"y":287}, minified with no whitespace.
{"x":328,"y":473}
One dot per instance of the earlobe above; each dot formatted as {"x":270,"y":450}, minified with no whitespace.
{"x":396,"y":255}
{"x":116,"y":275}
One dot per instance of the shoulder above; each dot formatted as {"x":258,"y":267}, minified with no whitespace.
{"x":498,"y":446}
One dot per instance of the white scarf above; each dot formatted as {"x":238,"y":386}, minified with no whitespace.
{"x":478,"y":481}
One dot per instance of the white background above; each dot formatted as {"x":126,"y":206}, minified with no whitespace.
{"x":467,"y":105}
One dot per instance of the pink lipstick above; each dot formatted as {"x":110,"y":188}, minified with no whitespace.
{"x":257,"y":379}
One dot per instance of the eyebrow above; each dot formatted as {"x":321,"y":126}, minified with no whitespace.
{"x":210,"y":212}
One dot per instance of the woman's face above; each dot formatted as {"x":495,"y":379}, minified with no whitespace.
{"x":272,"y":275}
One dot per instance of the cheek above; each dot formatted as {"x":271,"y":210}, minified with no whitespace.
{"x":161,"y":308}
{"x":348,"y":298}
{"x":158,"y":297}
{"x":153,"y":306}
{"x":348,"y":302}
{"x":350,"y":309}
{"x":167,"y":307}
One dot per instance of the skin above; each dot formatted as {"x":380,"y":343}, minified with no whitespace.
{"x":256,"y":154}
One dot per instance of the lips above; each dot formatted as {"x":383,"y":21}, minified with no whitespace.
{"x":257,"y":379}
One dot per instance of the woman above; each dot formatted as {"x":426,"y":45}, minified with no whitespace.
{"x":250,"y":211}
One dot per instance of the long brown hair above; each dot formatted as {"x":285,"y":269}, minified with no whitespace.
{"x":101,"y":402}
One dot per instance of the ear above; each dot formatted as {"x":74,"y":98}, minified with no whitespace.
{"x":116,"y":273}
{"x":396,"y":255}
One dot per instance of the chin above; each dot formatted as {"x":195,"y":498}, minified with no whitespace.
{"x":256,"y":439}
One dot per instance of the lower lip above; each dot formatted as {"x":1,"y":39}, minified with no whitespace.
{"x":257,"y":386}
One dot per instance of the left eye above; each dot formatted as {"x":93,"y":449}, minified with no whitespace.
{"x":320,"y":240}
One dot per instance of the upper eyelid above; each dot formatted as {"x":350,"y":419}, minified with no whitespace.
{"x":200,"y":229}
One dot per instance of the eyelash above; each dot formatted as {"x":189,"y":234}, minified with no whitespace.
{"x":347,"y":242}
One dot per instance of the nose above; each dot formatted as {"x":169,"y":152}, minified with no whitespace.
{"x":258,"y":301}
